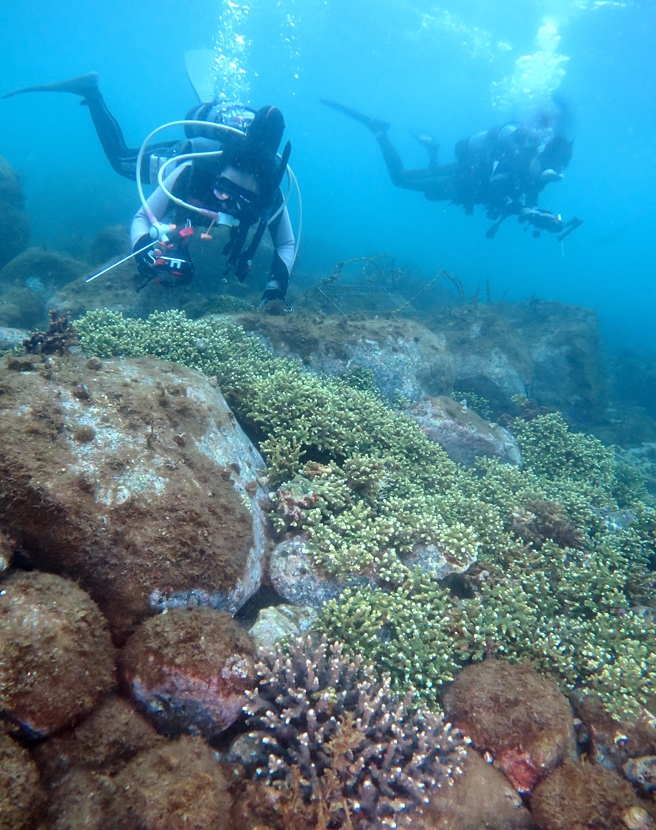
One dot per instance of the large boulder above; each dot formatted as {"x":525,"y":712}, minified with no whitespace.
{"x":133,"y":478}
{"x":549,"y":352}
{"x":14,"y":225}
{"x":41,"y":270}
{"x":402,"y":356}
{"x":21,"y":796}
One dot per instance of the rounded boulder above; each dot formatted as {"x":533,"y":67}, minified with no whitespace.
{"x":188,"y":670}
{"x":56,"y":655}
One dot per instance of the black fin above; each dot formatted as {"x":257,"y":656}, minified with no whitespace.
{"x":81,"y":85}
{"x":373,"y":124}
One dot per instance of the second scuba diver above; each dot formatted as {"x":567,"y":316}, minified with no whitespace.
{"x":233,"y":179}
{"x":504,"y":169}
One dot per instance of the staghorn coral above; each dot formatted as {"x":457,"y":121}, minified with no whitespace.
{"x":342,"y":746}
{"x":368,"y":488}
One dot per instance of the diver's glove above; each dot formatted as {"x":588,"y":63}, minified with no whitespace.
{"x":169,"y":263}
{"x":542,"y":220}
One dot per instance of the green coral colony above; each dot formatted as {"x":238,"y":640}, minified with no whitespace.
{"x":557,"y":578}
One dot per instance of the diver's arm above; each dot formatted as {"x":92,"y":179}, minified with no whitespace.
{"x":159,"y":203}
{"x":282,"y":237}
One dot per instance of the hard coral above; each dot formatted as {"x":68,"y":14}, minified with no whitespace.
{"x":342,"y":747}
{"x":57,"y":339}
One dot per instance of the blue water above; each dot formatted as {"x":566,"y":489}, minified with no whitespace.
{"x":421,"y":66}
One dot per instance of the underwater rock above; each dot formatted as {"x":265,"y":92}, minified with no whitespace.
{"x":298,"y":580}
{"x":462,"y":433}
{"x":642,"y":771}
{"x":79,"y":801}
{"x":189,"y":669}
{"x":481,"y":798}
{"x":159,"y":509}
{"x":21,"y":796}
{"x":517,"y":715}
{"x":104,"y":742}
{"x":279,"y":621}
{"x":608,"y":741}
{"x":56,"y":656}
{"x":402,"y":356}
{"x":10,"y":337}
{"x":14,"y":224}
{"x":41,"y":271}
{"x":22,"y":308}
{"x":587,"y":796}
{"x":177,"y":785}
{"x":548,"y":351}
{"x":110,"y":244}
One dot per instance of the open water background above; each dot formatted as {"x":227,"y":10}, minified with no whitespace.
{"x":436,"y":68}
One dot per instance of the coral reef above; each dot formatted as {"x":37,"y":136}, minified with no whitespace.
{"x":56,"y":339}
{"x":56,"y":657}
{"x":342,"y":750}
{"x":188,"y":670}
{"x":21,"y":796}
{"x":515,"y":714}
{"x":371,"y":489}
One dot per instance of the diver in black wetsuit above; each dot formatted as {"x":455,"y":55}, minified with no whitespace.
{"x":240,"y":187}
{"x":503,"y":169}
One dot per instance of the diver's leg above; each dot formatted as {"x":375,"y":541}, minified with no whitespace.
{"x":407,"y":179}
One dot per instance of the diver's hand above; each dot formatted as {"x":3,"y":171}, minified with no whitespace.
{"x":168,"y":264}
{"x":543,"y":220}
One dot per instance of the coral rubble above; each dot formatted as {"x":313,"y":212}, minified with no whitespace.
{"x":341,"y":746}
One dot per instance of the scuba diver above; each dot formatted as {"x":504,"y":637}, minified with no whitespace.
{"x":226,"y":173}
{"x":504,"y":169}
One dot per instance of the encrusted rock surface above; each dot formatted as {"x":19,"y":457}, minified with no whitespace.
{"x":481,"y":798}
{"x":403,"y":356}
{"x":189,"y":670}
{"x":104,"y":742}
{"x":548,"y":351}
{"x":517,"y":715}
{"x":14,"y":225}
{"x":21,"y":796}
{"x":298,"y":580}
{"x":56,"y":655}
{"x":179,"y":785}
{"x":462,"y":433}
{"x":10,"y":338}
{"x":279,"y":621}
{"x":132,"y":477}
{"x":587,"y":796}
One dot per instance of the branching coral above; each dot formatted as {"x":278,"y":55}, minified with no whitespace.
{"x":339,"y":738}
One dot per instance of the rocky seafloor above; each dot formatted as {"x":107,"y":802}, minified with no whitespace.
{"x":317,"y":570}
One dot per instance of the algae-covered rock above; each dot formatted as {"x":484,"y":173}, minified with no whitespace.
{"x":43,"y":270}
{"x":280,"y":622}
{"x":10,"y":337}
{"x":56,"y":656}
{"x":131,"y":478}
{"x":402,"y":356}
{"x":174,"y":787}
{"x":189,"y":669}
{"x":14,"y":225}
{"x":587,"y":796}
{"x":515,"y":714}
{"x":481,"y":798}
{"x":464,"y":434}
{"x":103,"y":743}
{"x":549,"y":352}
{"x":21,"y":796}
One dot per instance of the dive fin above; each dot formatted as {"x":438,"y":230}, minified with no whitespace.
{"x":199,"y":64}
{"x":373,"y":124}
{"x":81,"y":85}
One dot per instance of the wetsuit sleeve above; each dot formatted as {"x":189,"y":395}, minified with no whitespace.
{"x":159,"y":204}
{"x":282,"y":237}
